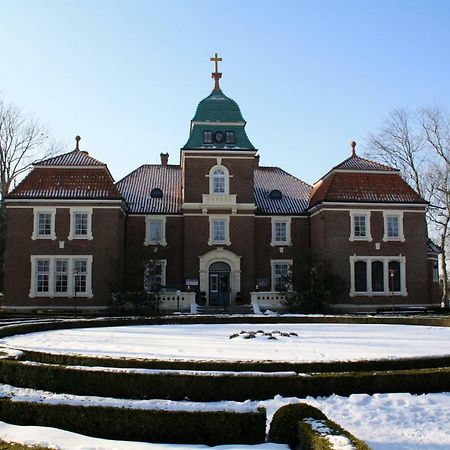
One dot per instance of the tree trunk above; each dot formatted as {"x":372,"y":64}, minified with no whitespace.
{"x":443,"y":264}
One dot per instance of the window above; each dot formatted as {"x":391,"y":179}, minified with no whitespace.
{"x":155,"y":230}
{"x":360,"y":226}
{"x":44,"y":223}
{"x":377,"y":276}
{"x":53,"y":276}
{"x":156,"y":193}
{"x":281,"y":275}
{"x":155,"y":275}
{"x":80,"y":275}
{"x":374,"y":275}
{"x":80,"y":223}
{"x":207,"y":137}
{"x":219,"y":230}
{"x":281,"y":231}
{"x":275,"y":194}
{"x":229,"y":137}
{"x":61,"y":275}
{"x":393,"y":226}
{"x":219,"y":180}
{"x":435,"y":272}
{"x":42,"y":275}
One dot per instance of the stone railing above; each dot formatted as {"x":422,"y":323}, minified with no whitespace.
{"x":268,"y":300}
{"x":219,"y":200}
{"x":169,"y":301}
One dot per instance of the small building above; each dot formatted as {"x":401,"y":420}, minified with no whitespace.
{"x":216,"y":223}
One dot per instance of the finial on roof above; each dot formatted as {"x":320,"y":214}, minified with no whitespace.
{"x":353,"y":144}
{"x":216,"y":74}
{"x":77,"y":146}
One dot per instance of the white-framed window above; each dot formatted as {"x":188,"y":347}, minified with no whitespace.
{"x":61,"y":276}
{"x":155,"y":275}
{"x":219,"y":230}
{"x":377,"y":275}
{"x":360,"y":226}
{"x":219,"y":180}
{"x":80,"y":223}
{"x":435,"y":271}
{"x":281,"y":275}
{"x":393,"y":226}
{"x":44,"y":223}
{"x":155,"y":230}
{"x":281,"y":231}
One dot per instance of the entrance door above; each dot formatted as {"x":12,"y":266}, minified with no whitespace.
{"x":219,"y":284}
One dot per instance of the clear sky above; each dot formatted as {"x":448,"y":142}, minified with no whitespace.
{"x":309,"y":76}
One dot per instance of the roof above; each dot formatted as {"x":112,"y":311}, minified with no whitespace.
{"x":217,"y":112}
{"x":357,"y":163}
{"x":295,"y":193}
{"x":364,"y":187}
{"x":217,"y":107}
{"x":73,"y":158}
{"x":66,"y":183}
{"x":137,"y":186}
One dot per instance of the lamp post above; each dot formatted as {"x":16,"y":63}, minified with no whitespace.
{"x":391,"y":276}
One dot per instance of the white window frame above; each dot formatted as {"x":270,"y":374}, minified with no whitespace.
{"x":399,"y":215}
{"x":212,"y":219}
{"x":273,"y":263}
{"x":71,"y":276}
{"x":43,"y":210}
{"x":147,"y":240}
{"x":353,"y":214}
{"x":211,"y":180}
{"x":387,"y":284}
{"x":88,"y":236}
{"x":163,"y":263}
{"x":287,"y":221}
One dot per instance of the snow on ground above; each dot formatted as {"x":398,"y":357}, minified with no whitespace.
{"x":398,"y":421}
{"x":315,"y":342}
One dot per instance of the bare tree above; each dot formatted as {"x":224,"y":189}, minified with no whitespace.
{"x":23,"y":140}
{"x":436,"y":128}
{"x":418,"y":144}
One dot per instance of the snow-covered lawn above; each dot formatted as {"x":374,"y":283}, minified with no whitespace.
{"x":384,"y":421}
{"x":314,"y":342}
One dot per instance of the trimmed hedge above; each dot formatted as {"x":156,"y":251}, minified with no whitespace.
{"x":289,"y":426}
{"x":243,"y":366}
{"x":15,"y":446}
{"x":210,"y":428}
{"x":215,"y":388}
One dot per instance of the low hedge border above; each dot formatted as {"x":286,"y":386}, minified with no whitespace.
{"x":187,"y":427}
{"x":207,"y":387}
{"x":242,"y":366}
{"x":290,"y":425}
{"x":57,"y":324}
{"x":15,"y":446}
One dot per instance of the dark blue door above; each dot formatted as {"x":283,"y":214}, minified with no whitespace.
{"x":219,"y":284}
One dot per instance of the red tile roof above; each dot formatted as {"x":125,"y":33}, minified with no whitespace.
{"x":66,"y":183}
{"x":137,"y":186}
{"x":73,"y":158}
{"x":364,"y":187}
{"x":357,"y":163}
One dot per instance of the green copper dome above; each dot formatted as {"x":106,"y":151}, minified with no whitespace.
{"x":218,"y":115}
{"x":217,"y":107}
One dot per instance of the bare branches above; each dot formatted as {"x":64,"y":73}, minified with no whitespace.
{"x":23,"y":140}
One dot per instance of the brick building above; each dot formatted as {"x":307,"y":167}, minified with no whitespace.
{"x":217,"y":223}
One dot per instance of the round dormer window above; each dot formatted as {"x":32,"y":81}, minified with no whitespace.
{"x":275,"y":195}
{"x":156,"y":193}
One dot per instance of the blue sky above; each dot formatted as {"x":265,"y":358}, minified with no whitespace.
{"x":309,"y":76}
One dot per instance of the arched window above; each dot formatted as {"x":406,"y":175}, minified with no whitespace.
{"x":377,"y":276}
{"x":219,"y":183}
{"x":360,"y":276}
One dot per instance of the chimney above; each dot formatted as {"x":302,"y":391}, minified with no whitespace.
{"x":164,"y":159}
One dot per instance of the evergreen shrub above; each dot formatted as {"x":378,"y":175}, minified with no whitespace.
{"x":158,"y":426}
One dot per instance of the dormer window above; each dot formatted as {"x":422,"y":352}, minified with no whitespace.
{"x":229,"y":137}
{"x":156,"y":193}
{"x":207,"y":137}
{"x":218,"y":137}
{"x":275,"y":195}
